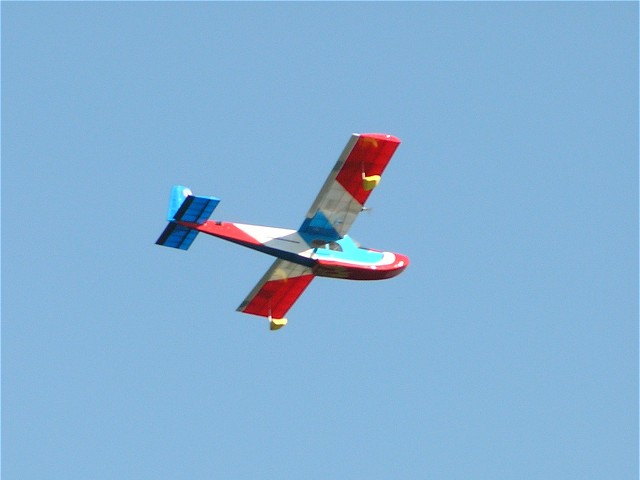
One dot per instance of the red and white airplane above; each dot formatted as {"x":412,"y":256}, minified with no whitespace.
{"x":320,"y":247}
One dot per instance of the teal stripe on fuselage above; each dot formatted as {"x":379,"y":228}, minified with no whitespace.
{"x":350,"y":252}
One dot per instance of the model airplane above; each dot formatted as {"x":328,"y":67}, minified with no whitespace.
{"x":320,"y":247}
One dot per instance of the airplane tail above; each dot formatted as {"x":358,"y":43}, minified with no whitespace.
{"x":184,"y":206}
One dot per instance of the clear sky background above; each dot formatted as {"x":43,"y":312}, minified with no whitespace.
{"x":508,"y":349}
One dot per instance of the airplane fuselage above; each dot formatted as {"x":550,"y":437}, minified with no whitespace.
{"x":340,"y":258}
{"x":319,"y":247}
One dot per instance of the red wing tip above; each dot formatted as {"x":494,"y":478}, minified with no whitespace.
{"x":381,"y":136}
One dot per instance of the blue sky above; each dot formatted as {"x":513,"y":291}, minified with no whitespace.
{"x":509,"y":347}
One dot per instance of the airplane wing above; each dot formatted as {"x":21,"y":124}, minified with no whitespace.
{"x":343,"y":195}
{"x":277,"y":291}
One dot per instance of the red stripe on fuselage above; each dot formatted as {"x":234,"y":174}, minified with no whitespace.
{"x":226,"y":230}
{"x":348,"y":271}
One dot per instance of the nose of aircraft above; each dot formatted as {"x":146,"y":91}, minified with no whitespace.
{"x":401,"y":262}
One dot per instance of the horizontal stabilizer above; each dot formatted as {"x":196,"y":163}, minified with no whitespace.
{"x":177,"y":236}
{"x":196,"y":209}
{"x":184,"y":206}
